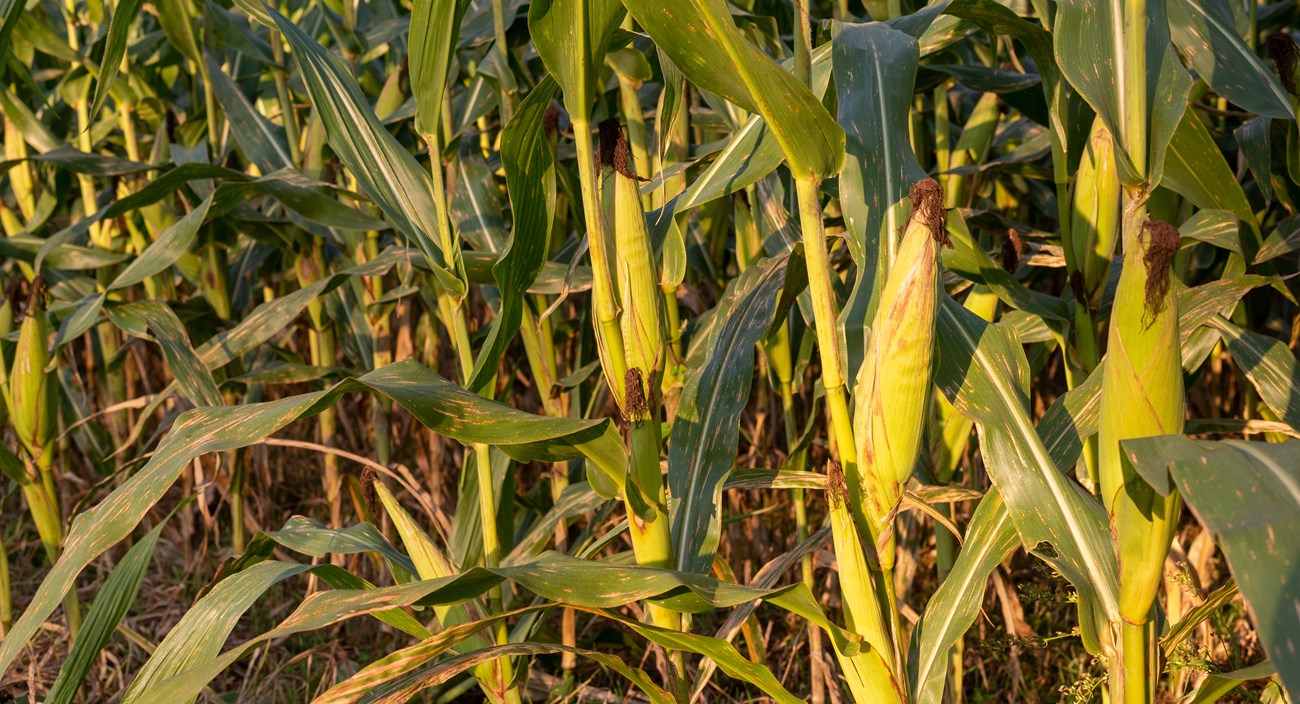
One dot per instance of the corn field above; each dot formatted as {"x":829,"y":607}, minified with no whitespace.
{"x":662,"y":351}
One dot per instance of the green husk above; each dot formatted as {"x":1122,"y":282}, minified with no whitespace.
{"x":892,"y":395}
{"x":1142,"y":395}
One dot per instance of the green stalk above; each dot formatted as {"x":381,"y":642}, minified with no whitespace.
{"x":942,"y":136}
{"x":454,"y":315}
{"x":6,"y":596}
{"x":87,"y":184}
{"x":322,"y":346}
{"x":1133,"y":97}
{"x":674,"y":151}
{"x":865,"y":602}
{"x":972,"y":148}
{"x":287,"y":115}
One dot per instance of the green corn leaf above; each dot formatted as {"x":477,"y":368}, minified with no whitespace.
{"x":112,"y":601}
{"x":384,"y":168}
{"x":983,"y":372}
{"x":1196,"y":170}
{"x":1255,"y":140}
{"x":565,"y":581}
{"x":452,"y":411}
{"x":156,"y":320}
{"x":530,"y":181}
{"x":80,"y":162}
{"x":311,"y":538}
{"x":413,"y":678}
{"x":1248,"y":495}
{"x":572,"y":37}
{"x":1269,"y":365}
{"x":705,"y":44}
{"x":706,"y":432}
{"x":474,"y":206}
{"x":262,"y":142}
{"x":119,"y":28}
{"x":750,"y":153}
{"x":170,"y":245}
{"x":1090,"y":50}
{"x":1205,"y":32}
{"x":1219,"y":684}
{"x":952,"y":609}
{"x":875,"y":72}
{"x":1284,"y":240}
{"x":10,"y":11}
{"x":201,"y":632}
{"x":98,"y":529}
{"x":435,"y":28}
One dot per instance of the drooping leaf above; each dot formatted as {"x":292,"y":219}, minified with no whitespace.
{"x":112,"y":601}
{"x":952,"y":609}
{"x":984,"y":373}
{"x":154,"y":319}
{"x":1248,"y":495}
{"x":1204,"y":31}
{"x":262,"y":142}
{"x":1269,"y":364}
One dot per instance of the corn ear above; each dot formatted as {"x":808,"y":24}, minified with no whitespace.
{"x":30,"y":385}
{"x":6,"y":348}
{"x":1095,"y":215}
{"x":1142,"y":395}
{"x":893,"y":390}
{"x":636,"y":273}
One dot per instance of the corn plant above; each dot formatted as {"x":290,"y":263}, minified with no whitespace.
{"x":887,"y":351}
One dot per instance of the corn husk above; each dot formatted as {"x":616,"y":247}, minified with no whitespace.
{"x":30,"y":385}
{"x":636,"y":273}
{"x":1096,"y":204}
{"x":892,"y":395}
{"x":1142,"y":395}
